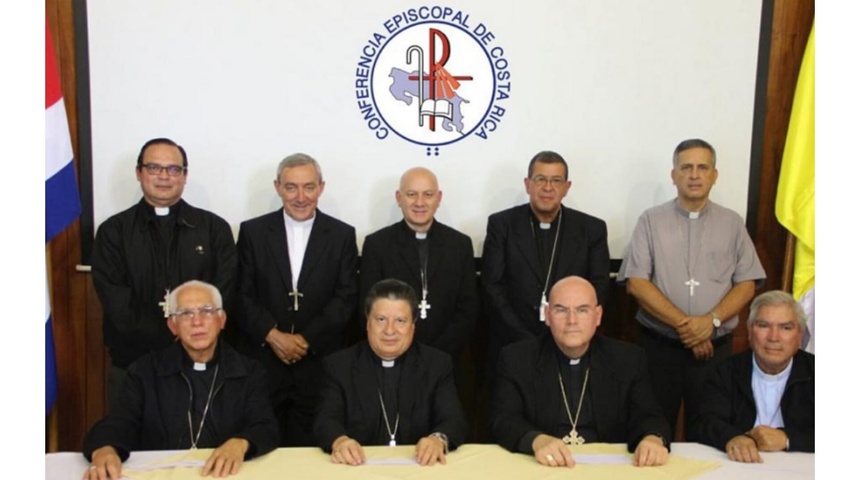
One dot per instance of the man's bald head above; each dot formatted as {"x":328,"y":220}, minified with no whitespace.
{"x":418,"y":198}
{"x":573,"y":315}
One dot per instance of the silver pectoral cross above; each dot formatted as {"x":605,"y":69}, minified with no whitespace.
{"x":692,"y":283}
{"x":543,"y":305}
{"x":163,"y":304}
{"x":295,"y":294}
{"x":424,"y":306}
{"x":392,"y":443}
{"x":573,"y":438}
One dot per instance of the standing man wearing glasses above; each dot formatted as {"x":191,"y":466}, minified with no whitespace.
{"x":692,"y":267}
{"x":529,"y":247}
{"x":142,"y":253}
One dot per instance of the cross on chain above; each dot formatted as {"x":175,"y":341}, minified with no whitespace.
{"x":295,"y":294}
{"x":424,"y":306}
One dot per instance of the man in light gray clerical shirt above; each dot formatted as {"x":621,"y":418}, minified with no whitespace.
{"x":692,"y":267}
{"x":763,"y":400}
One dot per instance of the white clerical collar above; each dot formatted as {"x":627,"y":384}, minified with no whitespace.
{"x":779,"y":377}
{"x":293,"y":223}
{"x":387,"y":363}
{"x":545,"y":226}
{"x":691,"y":215}
{"x":575,"y":361}
{"x":162,"y":211}
{"x":200,"y":367}
{"x":421,"y":235}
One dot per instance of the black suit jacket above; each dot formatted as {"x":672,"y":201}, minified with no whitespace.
{"x":328,"y":281}
{"x":729,"y":410}
{"x":452,"y":288}
{"x":527,"y":398}
{"x":511,"y":274}
{"x":154,"y":401}
{"x":427,"y":398}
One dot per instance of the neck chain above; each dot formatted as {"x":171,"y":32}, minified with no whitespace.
{"x":573,"y":438}
{"x":392,"y":434}
{"x":195,"y":438}
{"x":422,"y":267}
{"x":543,"y":302}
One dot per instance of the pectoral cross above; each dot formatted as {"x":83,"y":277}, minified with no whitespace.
{"x":295,"y":294}
{"x":692,"y":283}
{"x":424,"y":306}
{"x":164,"y":304}
{"x":543,"y":305}
{"x":573,"y":438}
{"x":392,"y":442}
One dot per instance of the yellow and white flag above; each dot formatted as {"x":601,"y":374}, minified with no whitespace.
{"x":795,"y":198}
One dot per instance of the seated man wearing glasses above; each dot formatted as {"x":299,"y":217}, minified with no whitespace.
{"x":530,"y":247}
{"x":389,"y":390}
{"x":196,"y":393}
{"x":150,"y":248}
{"x":570,"y":386}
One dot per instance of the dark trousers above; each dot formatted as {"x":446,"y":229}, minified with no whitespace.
{"x":294,"y":393}
{"x":676,"y":374}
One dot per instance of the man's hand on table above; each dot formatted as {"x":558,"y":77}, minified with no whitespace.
{"x":346,"y":450}
{"x":743,"y":449}
{"x":227,"y":458}
{"x":106,"y":465}
{"x":650,"y":452}
{"x":552,"y":452}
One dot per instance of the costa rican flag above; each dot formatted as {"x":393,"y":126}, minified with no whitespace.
{"x":62,"y":204}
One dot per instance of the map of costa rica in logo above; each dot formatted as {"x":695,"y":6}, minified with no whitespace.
{"x":433,"y":78}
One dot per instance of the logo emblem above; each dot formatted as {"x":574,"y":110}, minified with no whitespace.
{"x":432,"y":76}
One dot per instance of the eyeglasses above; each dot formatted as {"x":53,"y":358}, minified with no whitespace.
{"x":206,"y":312}
{"x":541,"y":181}
{"x":580,"y":311}
{"x":156,"y":169}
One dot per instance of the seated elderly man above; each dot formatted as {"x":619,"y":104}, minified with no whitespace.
{"x":389,"y":390}
{"x":570,"y":386}
{"x":196,"y":393}
{"x":763,"y":400}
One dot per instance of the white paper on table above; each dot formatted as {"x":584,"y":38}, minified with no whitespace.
{"x":602,"y":459}
{"x":146,"y":466}
{"x":391,"y":461}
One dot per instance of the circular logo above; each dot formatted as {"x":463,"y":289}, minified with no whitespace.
{"x":432,"y":77}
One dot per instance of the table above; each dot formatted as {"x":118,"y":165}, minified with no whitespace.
{"x":473,"y":461}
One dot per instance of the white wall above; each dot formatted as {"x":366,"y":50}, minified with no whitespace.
{"x":612,"y":85}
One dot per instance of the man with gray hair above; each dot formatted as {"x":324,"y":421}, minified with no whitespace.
{"x":692,"y":267}
{"x":297,"y":288}
{"x":763,"y":400}
{"x":222,"y":394}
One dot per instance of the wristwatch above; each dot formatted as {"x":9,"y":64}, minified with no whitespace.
{"x":716,"y":320}
{"x":443,"y":438}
